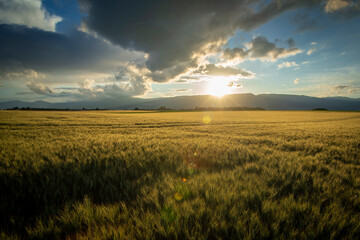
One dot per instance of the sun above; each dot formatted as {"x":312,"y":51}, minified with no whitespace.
{"x":218,"y":87}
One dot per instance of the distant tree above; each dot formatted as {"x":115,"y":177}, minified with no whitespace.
{"x":136,"y":108}
{"x":162,"y":108}
{"x":320,"y":109}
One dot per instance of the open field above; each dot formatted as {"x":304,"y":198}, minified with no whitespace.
{"x":185,"y":175}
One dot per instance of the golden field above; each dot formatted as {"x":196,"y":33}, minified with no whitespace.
{"x":179,"y":175}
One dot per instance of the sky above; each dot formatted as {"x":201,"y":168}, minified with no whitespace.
{"x":88,"y":50}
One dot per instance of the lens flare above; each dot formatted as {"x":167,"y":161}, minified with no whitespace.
{"x":207,"y":119}
{"x":178,"y":196}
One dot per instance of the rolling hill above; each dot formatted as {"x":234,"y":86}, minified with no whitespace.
{"x":267,"y":101}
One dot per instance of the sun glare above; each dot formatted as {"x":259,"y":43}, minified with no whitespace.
{"x":218,"y":87}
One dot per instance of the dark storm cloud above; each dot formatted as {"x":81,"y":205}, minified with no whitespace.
{"x":172,"y":72}
{"x":271,"y":10}
{"x":31,"y":48}
{"x":171,"y":32}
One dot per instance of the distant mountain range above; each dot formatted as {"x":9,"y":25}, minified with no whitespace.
{"x":267,"y":101}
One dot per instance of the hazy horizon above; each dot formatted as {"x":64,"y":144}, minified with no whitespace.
{"x":245,"y":100}
{"x":165,"y":97}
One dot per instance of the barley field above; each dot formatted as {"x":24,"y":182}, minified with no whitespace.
{"x":179,"y":175}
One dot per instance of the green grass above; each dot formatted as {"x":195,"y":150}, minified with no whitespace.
{"x":241,"y":175}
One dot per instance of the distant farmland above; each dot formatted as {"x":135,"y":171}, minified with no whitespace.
{"x":180,"y":175}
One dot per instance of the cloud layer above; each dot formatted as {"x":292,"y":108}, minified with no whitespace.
{"x":140,"y":42}
{"x":176,"y":33}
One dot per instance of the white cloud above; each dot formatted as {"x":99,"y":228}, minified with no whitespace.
{"x":215,"y":70}
{"x":313,"y":43}
{"x":88,"y":89}
{"x":17,"y":74}
{"x":27,"y":12}
{"x":288,"y":65}
{"x":296,"y":81}
{"x":353,"y":90}
{"x":343,"y":90}
{"x":311,"y":50}
{"x":260,"y":48}
{"x":26,"y":74}
{"x":335,"y":5}
{"x":39,"y":88}
{"x":87,"y":84}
